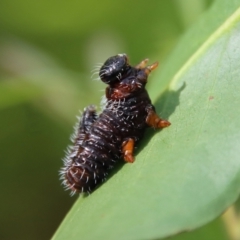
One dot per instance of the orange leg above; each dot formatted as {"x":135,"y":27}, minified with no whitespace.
{"x":153,"y":120}
{"x":127,"y":150}
{"x":142,"y":64}
{"x":148,"y":69}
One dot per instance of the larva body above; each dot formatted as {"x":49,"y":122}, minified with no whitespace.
{"x":100,"y":141}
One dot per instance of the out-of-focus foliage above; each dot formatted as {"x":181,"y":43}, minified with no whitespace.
{"x":47,"y":52}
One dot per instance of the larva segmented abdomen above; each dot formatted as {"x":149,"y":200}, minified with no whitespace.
{"x":94,"y":152}
{"x":99,"y":146}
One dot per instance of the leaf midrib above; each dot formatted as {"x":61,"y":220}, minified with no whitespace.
{"x":228,"y":24}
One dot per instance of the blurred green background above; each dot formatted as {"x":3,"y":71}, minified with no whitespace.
{"x":47,"y":52}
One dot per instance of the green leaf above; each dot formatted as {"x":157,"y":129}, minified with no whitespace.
{"x":189,"y":173}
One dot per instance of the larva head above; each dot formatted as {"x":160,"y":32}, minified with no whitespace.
{"x":114,"y":68}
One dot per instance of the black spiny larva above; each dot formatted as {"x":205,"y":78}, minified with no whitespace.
{"x":100,"y":141}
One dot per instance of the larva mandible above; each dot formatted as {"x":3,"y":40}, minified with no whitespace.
{"x":100,"y":141}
